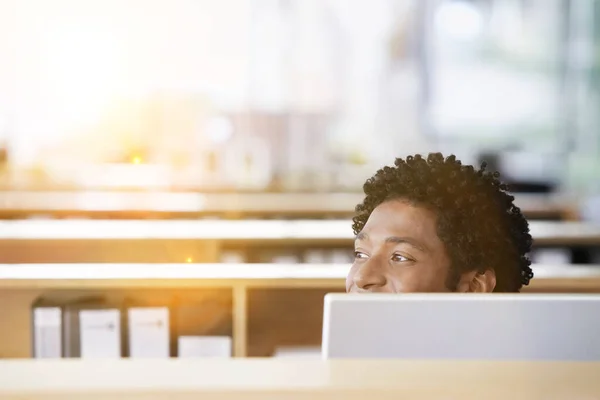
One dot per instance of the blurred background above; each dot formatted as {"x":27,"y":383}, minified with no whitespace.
{"x":241,"y":132}
{"x":294,"y":95}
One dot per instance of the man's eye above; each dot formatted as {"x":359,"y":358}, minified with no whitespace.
{"x":359,"y":255}
{"x":400,"y":258}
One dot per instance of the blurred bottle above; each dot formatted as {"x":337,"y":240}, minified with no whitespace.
{"x":307,"y":166}
{"x":207,"y":170}
{"x":3,"y":157}
{"x":248,"y":163}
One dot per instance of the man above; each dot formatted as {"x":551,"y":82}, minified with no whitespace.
{"x":435,"y":225}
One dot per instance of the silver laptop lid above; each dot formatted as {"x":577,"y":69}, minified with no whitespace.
{"x":462,"y":326}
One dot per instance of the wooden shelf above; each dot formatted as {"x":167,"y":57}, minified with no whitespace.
{"x":172,"y":202}
{"x":296,"y":379}
{"x":300,"y":288}
{"x":102,"y":276}
{"x":22,"y":203}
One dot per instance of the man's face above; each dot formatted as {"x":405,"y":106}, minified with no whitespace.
{"x":398,"y":251}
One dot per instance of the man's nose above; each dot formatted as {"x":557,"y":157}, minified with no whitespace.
{"x":370,"y":276}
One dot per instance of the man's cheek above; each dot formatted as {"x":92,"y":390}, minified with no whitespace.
{"x":350,"y":279}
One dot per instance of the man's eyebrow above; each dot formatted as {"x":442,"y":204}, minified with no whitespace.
{"x":362,"y":236}
{"x":396,"y":239}
{"x":410,"y":241}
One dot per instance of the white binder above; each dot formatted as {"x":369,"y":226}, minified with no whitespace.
{"x":47,"y":330}
{"x":148,"y":332}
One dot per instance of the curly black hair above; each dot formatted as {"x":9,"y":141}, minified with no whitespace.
{"x":476,"y":218}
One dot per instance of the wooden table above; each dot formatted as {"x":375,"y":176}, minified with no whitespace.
{"x":307,"y":283}
{"x":295,"y":379}
{"x":189,"y":204}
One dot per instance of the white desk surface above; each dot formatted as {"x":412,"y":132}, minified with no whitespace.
{"x":251,"y":275}
{"x":543,"y":232}
{"x":88,"y":276}
{"x":295,"y":379}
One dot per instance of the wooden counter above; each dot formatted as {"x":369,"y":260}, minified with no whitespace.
{"x":295,"y":379}
{"x":270,"y":303}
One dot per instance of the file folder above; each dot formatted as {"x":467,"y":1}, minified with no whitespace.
{"x":47,"y":328}
{"x":92,"y":328}
{"x":148,"y":330}
{"x":204,"y":346}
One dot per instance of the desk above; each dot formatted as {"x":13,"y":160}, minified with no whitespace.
{"x":295,"y":379}
{"x":291,"y":294}
{"x":31,"y":241}
{"x":117,"y":204}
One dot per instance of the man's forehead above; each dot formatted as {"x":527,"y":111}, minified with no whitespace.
{"x":398,"y":218}
{"x":397,"y":212}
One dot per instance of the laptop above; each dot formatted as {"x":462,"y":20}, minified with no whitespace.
{"x":462,"y":327}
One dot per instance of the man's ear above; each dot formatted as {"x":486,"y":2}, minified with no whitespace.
{"x":477,"y":282}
